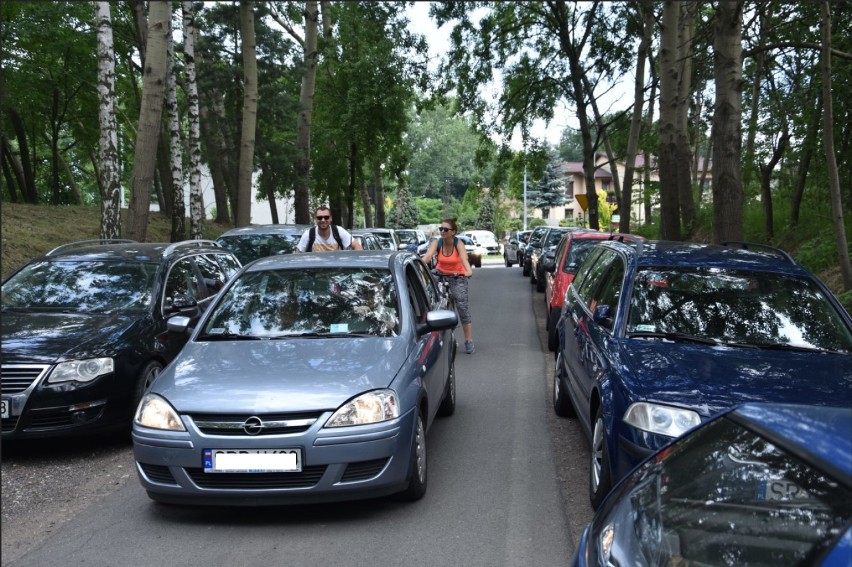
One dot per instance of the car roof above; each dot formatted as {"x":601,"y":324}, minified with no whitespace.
{"x":259,"y":229}
{"x":817,"y":434}
{"x":129,"y":251}
{"x":380,"y":259}
{"x":747,"y":256}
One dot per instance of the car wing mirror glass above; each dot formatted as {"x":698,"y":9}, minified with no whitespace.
{"x":180,"y":302}
{"x":603,"y":316}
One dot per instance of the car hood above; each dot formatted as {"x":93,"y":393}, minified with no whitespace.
{"x":287,"y":375}
{"x":49,"y":337}
{"x":710,"y":379}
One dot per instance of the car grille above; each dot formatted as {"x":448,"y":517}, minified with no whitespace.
{"x":10,"y":423}
{"x":158,"y":473}
{"x":256,"y":481}
{"x":16,"y":378}
{"x":363,"y":471}
{"x":62,"y":417}
{"x":238,"y":425}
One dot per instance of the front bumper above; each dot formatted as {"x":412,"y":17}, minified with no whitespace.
{"x":338,"y":464}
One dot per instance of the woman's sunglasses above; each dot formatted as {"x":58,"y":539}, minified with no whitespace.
{"x":445,"y":229}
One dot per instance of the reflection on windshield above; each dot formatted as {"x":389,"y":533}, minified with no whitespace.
{"x":249,"y":247}
{"x":731,"y":306}
{"x":280,"y":303}
{"x":724,"y":496}
{"x":81,"y":286}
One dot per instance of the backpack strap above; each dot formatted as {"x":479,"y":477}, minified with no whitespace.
{"x":312,"y":235}
{"x":337,"y":237}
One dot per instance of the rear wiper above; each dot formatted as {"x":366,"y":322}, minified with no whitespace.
{"x":673,"y":337}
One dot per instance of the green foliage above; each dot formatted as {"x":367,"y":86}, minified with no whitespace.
{"x":488,"y":213}
{"x":549,"y":192}
{"x":429,"y":210}
{"x":405,"y":213}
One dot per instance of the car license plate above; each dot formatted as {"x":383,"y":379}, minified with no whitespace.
{"x":781,"y":489}
{"x":4,"y":406}
{"x":252,"y":460}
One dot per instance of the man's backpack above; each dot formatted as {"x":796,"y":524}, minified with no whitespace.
{"x":312,"y":235}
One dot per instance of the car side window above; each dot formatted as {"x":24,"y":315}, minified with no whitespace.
{"x":181,"y":283}
{"x":560,"y":250}
{"x":589,"y":272}
{"x":213,"y":277}
{"x":428,"y":283}
{"x":416,"y":294}
{"x":608,"y":292}
{"x":228,"y":263}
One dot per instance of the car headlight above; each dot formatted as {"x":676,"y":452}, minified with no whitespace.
{"x":372,"y":407}
{"x":664,"y":420}
{"x":81,"y":370}
{"x":157,"y":413}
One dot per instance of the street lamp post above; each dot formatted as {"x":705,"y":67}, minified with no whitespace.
{"x":525,"y":197}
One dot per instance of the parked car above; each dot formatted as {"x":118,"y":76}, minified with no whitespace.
{"x":388,"y":238}
{"x":84,"y":329}
{"x":249,"y":243}
{"x":762,"y":484}
{"x":411,"y":239}
{"x":485,"y":241}
{"x":656,"y":337}
{"x":311,"y":378}
{"x":513,"y":250}
{"x":547,"y":243}
{"x":474,"y":253}
{"x":559,"y":267}
{"x":368,"y":240}
{"x":532,"y":244}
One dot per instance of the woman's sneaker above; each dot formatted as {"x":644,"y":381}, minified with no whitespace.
{"x":468,"y":347}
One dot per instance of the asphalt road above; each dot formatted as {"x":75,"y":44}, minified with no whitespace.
{"x":507,"y":481}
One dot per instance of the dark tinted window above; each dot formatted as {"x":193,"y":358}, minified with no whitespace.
{"x":724,"y":496}
{"x":81,"y":286}
{"x":577,"y":252}
{"x":589,"y":278}
{"x":763,"y":309}
{"x":250,"y":247}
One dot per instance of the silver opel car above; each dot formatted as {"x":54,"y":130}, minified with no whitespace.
{"x":313,"y":377}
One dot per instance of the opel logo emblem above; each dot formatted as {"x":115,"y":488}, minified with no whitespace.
{"x":253,"y":425}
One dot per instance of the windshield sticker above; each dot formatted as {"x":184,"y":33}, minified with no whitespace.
{"x":339,"y":328}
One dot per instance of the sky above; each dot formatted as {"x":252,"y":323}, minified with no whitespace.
{"x":439,"y":43}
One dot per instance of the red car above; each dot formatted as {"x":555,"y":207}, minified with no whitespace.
{"x":560,"y":267}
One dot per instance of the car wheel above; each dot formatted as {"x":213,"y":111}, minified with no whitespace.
{"x":448,"y":404}
{"x":552,"y":335}
{"x":561,"y":404}
{"x":506,"y":259}
{"x":145,"y":379}
{"x":526,"y":271}
{"x":600,"y":473}
{"x":540,"y":284}
{"x":417,"y":469}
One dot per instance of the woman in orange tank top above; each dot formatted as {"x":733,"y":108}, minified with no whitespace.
{"x":454,"y":268}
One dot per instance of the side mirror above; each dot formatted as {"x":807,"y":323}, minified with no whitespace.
{"x":438,"y":320}
{"x":181,"y":302}
{"x":603,"y":316}
{"x":178,"y":324}
{"x":571,"y":268}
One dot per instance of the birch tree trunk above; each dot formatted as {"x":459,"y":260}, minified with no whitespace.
{"x":830,"y":158}
{"x":178,"y":211}
{"x":108,"y":177}
{"x":244,"y":185}
{"x":196,"y":203}
{"x":150,"y":116}
{"x":301,"y":196}
{"x":727,"y":122}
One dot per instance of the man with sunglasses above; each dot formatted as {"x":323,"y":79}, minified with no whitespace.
{"x":325,"y":236}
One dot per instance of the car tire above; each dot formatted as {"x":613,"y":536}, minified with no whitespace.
{"x":600,"y":471}
{"x":448,"y":404}
{"x":506,"y":259}
{"x":552,"y":335}
{"x":526,"y":270}
{"x":561,"y":403}
{"x":540,"y":284}
{"x":146,"y":377}
{"x":417,"y":468}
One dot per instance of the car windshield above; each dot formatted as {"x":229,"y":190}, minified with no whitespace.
{"x":742,"y":307}
{"x":577,"y":253}
{"x":304,"y":302}
{"x":385,"y":239}
{"x":90,"y":287}
{"x":249,"y":247}
{"x":723,"y":496}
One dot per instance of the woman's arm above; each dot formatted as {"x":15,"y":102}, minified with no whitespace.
{"x":468,"y":271}
{"x":430,"y":252}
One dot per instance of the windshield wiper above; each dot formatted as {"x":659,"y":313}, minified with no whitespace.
{"x":795,"y":348}
{"x":228,"y":337}
{"x":321,"y":335}
{"x":683,"y":337}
